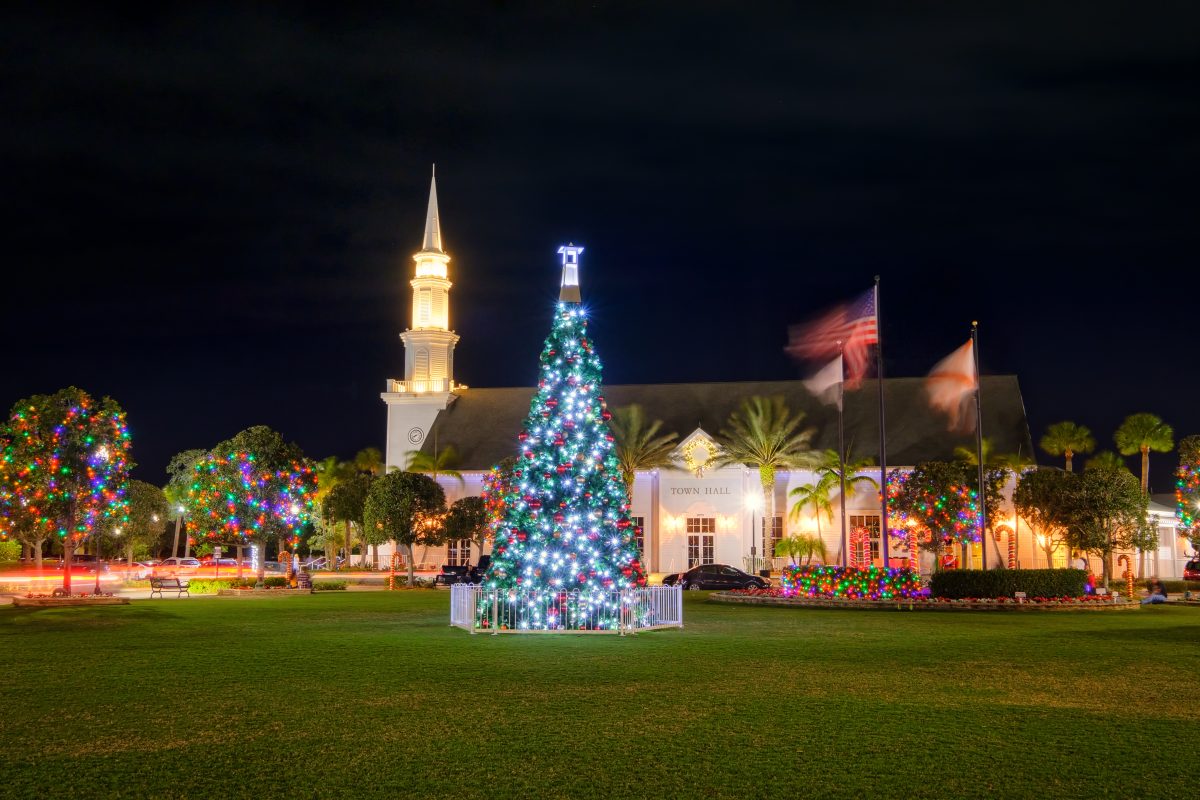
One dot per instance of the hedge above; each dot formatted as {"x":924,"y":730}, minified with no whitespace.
{"x":329,"y":586}
{"x":958,"y":584}
{"x":207,"y":586}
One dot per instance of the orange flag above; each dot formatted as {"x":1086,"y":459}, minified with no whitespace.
{"x":951,"y":384}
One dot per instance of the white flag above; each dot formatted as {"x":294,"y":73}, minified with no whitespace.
{"x":826,"y":385}
{"x":950,"y":385}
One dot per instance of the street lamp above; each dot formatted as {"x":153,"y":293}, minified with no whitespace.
{"x":754,"y":502}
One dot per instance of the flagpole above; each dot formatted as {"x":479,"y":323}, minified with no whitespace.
{"x":883,"y":511}
{"x":979,"y":447}
{"x":842,"y":444}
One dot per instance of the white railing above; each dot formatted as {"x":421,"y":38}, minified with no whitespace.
{"x":475,"y":608}
{"x":423,"y":386}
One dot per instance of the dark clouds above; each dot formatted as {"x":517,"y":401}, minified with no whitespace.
{"x":210,"y":212}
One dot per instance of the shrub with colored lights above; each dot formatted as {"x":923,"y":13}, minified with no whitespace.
{"x":964,"y":583}
{"x":872,"y":583}
{"x":1187,"y":489}
{"x":64,"y":470}
{"x":563,"y":530}
{"x":252,"y":488}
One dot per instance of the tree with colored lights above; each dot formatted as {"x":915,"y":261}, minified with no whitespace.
{"x":1041,"y":498}
{"x":1067,"y":439}
{"x":251,"y":489}
{"x":940,"y":501}
{"x":1141,"y":433}
{"x":64,"y":471}
{"x":1187,"y":489}
{"x":146,"y":515}
{"x":764,"y":435}
{"x":639,"y":446}
{"x":566,"y":526}
{"x":468,"y":518}
{"x":407,"y":508}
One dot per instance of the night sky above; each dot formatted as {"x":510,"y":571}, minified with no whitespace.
{"x":209,"y":215}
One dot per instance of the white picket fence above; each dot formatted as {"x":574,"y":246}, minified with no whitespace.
{"x":476,"y":609}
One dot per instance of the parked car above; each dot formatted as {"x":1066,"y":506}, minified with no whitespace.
{"x":715,"y":576}
{"x":83,"y":562}
{"x":177,"y":564}
{"x":1191,"y":570}
{"x":219,"y":562}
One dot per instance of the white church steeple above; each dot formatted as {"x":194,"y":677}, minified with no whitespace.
{"x":428,"y":384}
{"x":429,"y":342}
{"x":569,"y":291}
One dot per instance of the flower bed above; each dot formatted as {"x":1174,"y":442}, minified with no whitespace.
{"x":52,"y":601}
{"x":780,"y":597}
{"x":270,"y":591}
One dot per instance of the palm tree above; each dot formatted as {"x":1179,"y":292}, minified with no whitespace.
{"x":765,"y":435}
{"x":1067,"y":439}
{"x":828,"y":463}
{"x":440,"y":463}
{"x":369,"y":460}
{"x":1106,"y":459}
{"x":638,"y":447}
{"x":817,"y":494}
{"x":1141,"y":433}
{"x":827,"y":485}
{"x":330,"y":472}
{"x":801,"y":546}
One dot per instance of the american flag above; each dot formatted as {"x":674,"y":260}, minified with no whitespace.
{"x":850,"y":328}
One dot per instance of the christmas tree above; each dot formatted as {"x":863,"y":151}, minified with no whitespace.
{"x":563,"y":545}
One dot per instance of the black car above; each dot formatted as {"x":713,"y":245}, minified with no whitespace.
{"x":715,"y":576}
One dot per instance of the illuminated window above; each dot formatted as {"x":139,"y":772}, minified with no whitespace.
{"x":776,"y":532}
{"x":700,"y":550}
{"x":458,"y":552}
{"x":639,"y":535}
{"x":872,"y":523}
{"x":701,"y":524}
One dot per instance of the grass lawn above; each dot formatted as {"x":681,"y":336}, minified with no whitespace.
{"x":372,"y":694}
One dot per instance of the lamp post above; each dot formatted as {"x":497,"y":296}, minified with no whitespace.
{"x":753,"y":502}
{"x":178,"y":525}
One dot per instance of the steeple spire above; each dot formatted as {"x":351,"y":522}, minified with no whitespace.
{"x":569,"y":291}
{"x":433,"y":223}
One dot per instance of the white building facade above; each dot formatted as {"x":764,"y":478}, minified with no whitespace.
{"x":694,"y":514}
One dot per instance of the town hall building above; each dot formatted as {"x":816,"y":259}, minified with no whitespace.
{"x":694,"y":513}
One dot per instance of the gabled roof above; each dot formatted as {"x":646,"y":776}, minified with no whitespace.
{"x":482,"y":424}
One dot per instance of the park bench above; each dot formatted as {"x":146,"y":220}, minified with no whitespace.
{"x":157,"y":585}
